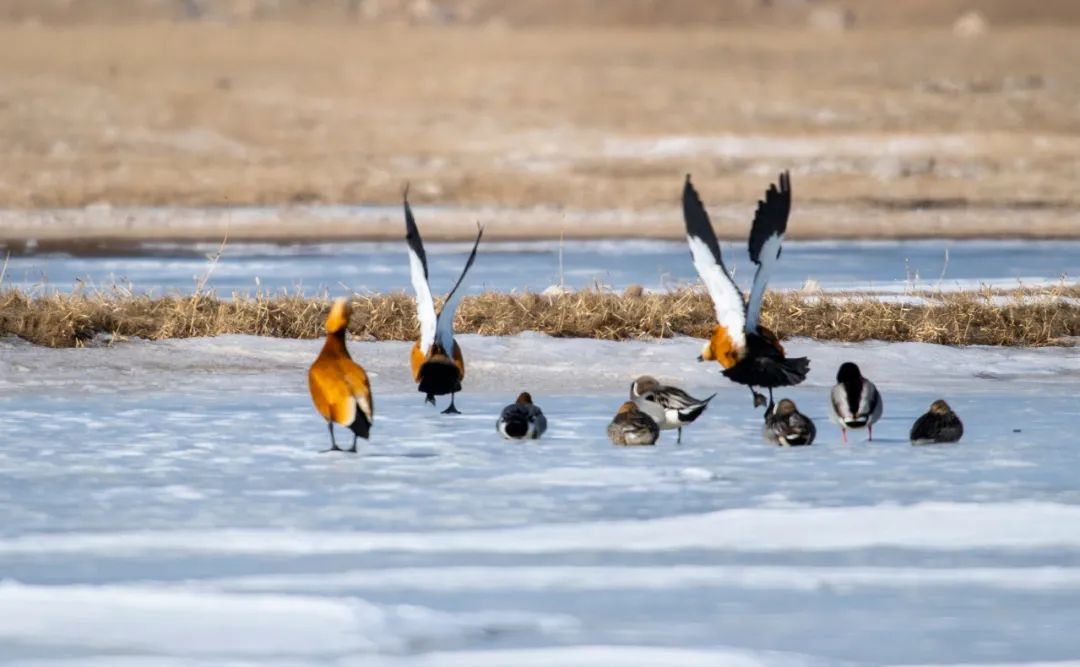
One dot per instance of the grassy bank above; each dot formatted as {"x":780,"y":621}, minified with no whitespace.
{"x":1020,"y":317}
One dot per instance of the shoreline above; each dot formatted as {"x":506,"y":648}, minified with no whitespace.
{"x":82,"y":229}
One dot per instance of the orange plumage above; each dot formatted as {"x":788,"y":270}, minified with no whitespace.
{"x":338,"y":385}
{"x":436,"y":354}
{"x":721,"y":348}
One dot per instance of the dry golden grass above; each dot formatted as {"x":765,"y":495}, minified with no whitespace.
{"x":875,"y":120}
{"x":1023,"y":317}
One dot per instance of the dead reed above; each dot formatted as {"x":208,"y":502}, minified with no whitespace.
{"x":1020,"y":317}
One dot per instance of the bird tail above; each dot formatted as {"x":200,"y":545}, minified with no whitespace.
{"x":795,"y":370}
{"x":770,"y":372}
{"x":688,"y":415}
{"x":515,"y":428}
{"x":361,"y":426}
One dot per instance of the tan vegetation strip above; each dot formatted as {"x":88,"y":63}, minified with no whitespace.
{"x":967,"y":318}
{"x":578,"y":119}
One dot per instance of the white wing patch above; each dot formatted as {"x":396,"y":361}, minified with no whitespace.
{"x":425,"y":305}
{"x":769,"y":256}
{"x":730,"y":311}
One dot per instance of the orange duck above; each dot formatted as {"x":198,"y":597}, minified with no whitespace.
{"x":338,"y":385}
{"x":437,"y":364}
{"x":749,"y":353}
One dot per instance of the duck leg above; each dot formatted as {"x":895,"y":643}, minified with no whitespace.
{"x":843,"y":434}
{"x":451,"y":410}
{"x":759,"y":400}
{"x":333,"y":444}
{"x":678,"y":440}
{"x":870,"y":432}
{"x":352,"y":450}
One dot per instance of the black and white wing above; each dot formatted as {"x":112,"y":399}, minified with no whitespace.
{"x":444,"y":332}
{"x":425,"y":305}
{"x":705,"y":251}
{"x":841,"y":409}
{"x":677,"y":399}
{"x":801,"y":430}
{"x":766,"y":238}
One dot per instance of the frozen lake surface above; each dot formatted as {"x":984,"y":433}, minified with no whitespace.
{"x":383,"y":267}
{"x":165,"y":504}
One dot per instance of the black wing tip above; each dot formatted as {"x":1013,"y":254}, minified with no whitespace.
{"x":781,"y":190}
{"x":476,"y":244}
{"x":468,"y":264}
{"x":785,"y":184}
{"x":692,"y":204}
{"x":412,"y":232}
{"x":409,"y":220}
{"x":689,"y":192}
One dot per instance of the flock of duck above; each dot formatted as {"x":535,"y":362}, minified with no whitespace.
{"x":749,"y":353}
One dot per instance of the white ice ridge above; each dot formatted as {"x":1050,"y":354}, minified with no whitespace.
{"x":564,"y":656}
{"x":944,"y":526}
{"x":596,"y":578}
{"x":163,"y":620}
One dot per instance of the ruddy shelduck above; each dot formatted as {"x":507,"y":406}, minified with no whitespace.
{"x":438,"y":366}
{"x":749,"y":353}
{"x":338,"y":385}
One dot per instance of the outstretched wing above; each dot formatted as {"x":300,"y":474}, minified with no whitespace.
{"x":445,"y":331}
{"x":425,"y":305}
{"x":766,"y":237}
{"x":726,"y":297}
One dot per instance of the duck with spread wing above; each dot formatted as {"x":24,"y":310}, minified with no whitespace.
{"x":749,"y":353}
{"x":438,"y":366}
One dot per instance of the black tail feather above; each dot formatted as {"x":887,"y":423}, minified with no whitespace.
{"x":439,"y":378}
{"x":361,"y":426}
{"x":689,"y":415}
{"x":516,"y":428}
{"x":769,"y":372}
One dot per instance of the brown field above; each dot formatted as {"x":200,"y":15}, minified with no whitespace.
{"x":887,"y":131}
{"x":1022,"y":317}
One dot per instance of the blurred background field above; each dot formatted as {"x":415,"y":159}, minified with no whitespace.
{"x":283,"y":120}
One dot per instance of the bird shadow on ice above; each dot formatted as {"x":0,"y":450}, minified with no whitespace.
{"x":412,"y":454}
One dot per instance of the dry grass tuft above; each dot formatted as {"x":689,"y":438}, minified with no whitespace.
{"x":964,"y":318}
{"x":1019,"y":317}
